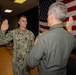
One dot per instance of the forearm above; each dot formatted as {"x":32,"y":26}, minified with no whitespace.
{"x":2,"y":33}
{"x":4,"y":38}
{"x":2,"y":42}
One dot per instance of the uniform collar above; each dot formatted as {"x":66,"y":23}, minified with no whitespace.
{"x":23,"y":30}
{"x":56,"y":26}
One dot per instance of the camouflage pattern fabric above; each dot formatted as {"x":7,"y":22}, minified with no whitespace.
{"x":23,"y":42}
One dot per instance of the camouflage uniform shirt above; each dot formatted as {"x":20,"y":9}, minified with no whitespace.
{"x":23,"y":42}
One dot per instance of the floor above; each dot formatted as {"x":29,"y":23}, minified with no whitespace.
{"x":6,"y":63}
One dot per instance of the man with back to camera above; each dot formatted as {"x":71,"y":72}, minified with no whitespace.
{"x":53,"y":47}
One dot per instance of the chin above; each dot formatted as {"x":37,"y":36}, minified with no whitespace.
{"x":24,"y":26}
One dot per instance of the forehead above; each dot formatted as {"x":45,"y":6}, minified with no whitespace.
{"x":23,"y":18}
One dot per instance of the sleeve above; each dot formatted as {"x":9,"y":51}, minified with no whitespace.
{"x":74,"y":43}
{"x":5,"y":37}
{"x":31,"y":41}
{"x":33,"y":37}
{"x":36,"y":53}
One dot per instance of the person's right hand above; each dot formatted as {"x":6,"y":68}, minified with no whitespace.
{"x":4,"y":25}
{"x":69,"y":24}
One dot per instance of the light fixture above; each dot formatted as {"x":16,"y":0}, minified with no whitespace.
{"x":8,"y":11}
{"x":19,"y":1}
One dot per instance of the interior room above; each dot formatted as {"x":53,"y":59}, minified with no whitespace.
{"x":36,"y":13}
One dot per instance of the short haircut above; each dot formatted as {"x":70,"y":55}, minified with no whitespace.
{"x":21,"y":16}
{"x":59,"y":10}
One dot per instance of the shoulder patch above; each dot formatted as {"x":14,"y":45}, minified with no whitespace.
{"x":35,"y":41}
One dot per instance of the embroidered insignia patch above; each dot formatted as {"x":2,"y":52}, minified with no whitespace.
{"x":35,"y":41}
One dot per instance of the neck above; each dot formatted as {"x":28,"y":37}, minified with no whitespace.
{"x":55,"y":22}
{"x":23,"y":28}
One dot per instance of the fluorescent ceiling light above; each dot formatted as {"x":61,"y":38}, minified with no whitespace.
{"x":8,"y":11}
{"x":19,"y":1}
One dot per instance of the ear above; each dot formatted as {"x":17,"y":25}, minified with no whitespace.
{"x":52,"y":16}
{"x":18,"y":22}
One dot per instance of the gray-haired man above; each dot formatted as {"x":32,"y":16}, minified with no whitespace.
{"x":53,"y":47}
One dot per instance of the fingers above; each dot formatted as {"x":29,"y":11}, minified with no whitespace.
{"x":5,"y":21}
{"x":69,"y":24}
{"x":71,"y":19}
{"x":4,"y":25}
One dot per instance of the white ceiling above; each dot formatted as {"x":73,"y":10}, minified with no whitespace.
{"x":17,"y":8}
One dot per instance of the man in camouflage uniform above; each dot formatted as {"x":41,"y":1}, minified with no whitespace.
{"x":23,"y":40}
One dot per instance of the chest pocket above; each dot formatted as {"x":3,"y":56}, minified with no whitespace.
{"x":19,"y":39}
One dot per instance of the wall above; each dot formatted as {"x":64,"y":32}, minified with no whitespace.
{"x":33,"y":20}
{"x":32,"y":17}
